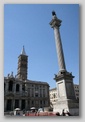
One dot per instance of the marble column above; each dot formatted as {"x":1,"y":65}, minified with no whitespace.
{"x":13,"y":104}
{"x":20,"y":88}
{"x":20,"y":103}
{"x":64,"y":80}
{"x":55,"y":24}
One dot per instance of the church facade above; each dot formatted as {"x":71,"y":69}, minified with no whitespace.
{"x":20,"y":92}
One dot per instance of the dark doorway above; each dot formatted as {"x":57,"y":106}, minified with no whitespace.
{"x":16,"y":103}
{"x":9,"y":104}
{"x":23,"y":104}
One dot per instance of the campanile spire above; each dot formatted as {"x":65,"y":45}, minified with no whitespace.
{"x":22,"y":65}
{"x":23,"y":51}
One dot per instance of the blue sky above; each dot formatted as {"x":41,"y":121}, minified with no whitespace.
{"x":28,"y":25}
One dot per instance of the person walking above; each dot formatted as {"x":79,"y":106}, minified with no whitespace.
{"x":63,"y":113}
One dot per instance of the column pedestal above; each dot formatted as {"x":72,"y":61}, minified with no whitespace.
{"x":66,"y":95}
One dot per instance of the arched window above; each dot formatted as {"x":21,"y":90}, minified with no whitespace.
{"x":10,"y":85}
{"x":23,"y":87}
{"x":17,"y":87}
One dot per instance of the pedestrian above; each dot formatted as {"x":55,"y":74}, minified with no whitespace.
{"x":68,"y":113}
{"x":63,"y":113}
{"x":57,"y":114}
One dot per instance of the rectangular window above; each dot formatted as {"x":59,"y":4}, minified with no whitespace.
{"x":36,"y":101}
{"x":32,"y":102}
{"x":36,"y":95}
{"x":41,"y":102}
{"x":44,"y":102}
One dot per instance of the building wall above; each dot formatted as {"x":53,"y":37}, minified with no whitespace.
{"x":25,"y":94}
{"x":76,"y":88}
{"x":54,"y":94}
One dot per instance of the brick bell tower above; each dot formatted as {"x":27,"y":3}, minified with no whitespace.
{"x":22,"y":65}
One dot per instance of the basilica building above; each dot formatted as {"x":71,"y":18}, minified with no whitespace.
{"x":20,"y":92}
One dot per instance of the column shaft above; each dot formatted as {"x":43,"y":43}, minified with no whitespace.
{"x":59,"y":49}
